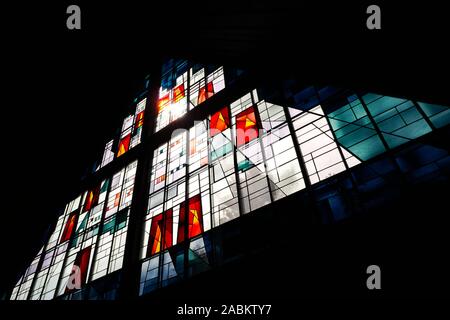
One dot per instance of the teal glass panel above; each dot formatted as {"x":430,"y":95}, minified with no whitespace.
{"x":359,"y":111}
{"x":439,"y":115}
{"x":356,"y":136}
{"x":405,"y":106}
{"x":346,"y":116}
{"x":385,"y":115}
{"x":346,"y":130}
{"x":441,"y":119}
{"x":411,"y":115}
{"x":219,"y":152}
{"x":391,"y":124}
{"x":83,"y":223}
{"x":383,"y":104}
{"x":394,"y":141}
{"x":109,"y":226}
{"x":365,"y":122}
{"x":121,"y":220}
{"x":245,"y":165}
{"x":431,"y":109}
{"x":368,"y":148}
{"x":369,"y":97}
{"x":414,"y":130}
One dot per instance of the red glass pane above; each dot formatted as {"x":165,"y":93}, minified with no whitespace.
{"x":70,"y":227}
{"x":163,"y":102}
{"x":80,"y":267}
{"x":124,"y":145}
{"x":246,"y":126}
{"x":195,"y":219}
{"x":178,"y":93}
{"x":219,"y":121}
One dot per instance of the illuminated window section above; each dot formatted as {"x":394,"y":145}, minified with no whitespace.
{"x":55,"y":258}
{"x":84,"y":245}
{"x":398,"y":119}
{"x":198,"y":146}
{"x":130,"y":135}
{"x":204,"y":86}
{"x":282,"y":164}
{"x":108,"y":155}
{"x":175,"y":90}
{"x":172,"y":102}
{"x":177,"y":157}
{"x":112,"y":205}
{"x":158,"y":175}
{"x":198,"y":186}
{"x":138,"y":123}
{"x":246,"y":127}
{"x":191,"y":222}
{"x":23,"y":288}
{"x":320,"y":152}
{"x":219,"y":121}
{"x":355,"y":132}
{"x":239,"y":159}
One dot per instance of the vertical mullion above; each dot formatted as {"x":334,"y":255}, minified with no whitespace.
{"x":297,"y":148}
{"x":132,"y":265}
{"x":260,"y":138}
{"x":186,"y":195}
{"x":235,"y":149}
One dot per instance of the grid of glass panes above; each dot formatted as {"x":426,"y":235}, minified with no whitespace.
{"x":88,"y":241}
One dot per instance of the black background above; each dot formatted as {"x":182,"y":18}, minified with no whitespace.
{"x":65,"y":92}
